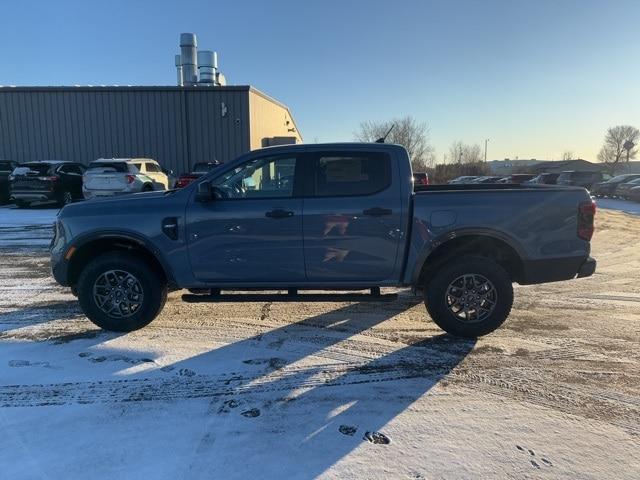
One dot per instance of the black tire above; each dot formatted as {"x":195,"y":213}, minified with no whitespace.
{"x":437,"y":298}
{"x":147,"y":188}
{"x":22,"y":204}
{"x":152,"y":283}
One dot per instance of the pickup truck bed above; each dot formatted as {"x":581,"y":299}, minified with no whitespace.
{"x":323,"y":217}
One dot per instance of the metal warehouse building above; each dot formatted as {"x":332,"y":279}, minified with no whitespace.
{"x":178,"y":126}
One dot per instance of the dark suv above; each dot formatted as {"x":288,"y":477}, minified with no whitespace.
{"x":46,"y":181}
{"x":585,"y":179}
{"x":6,"y":167}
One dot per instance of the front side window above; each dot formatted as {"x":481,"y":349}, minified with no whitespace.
{"x":270,"y":177}
{"x":152,"y":167}
{"x":352,"y":174}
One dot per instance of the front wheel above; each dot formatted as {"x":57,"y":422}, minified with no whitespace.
{"x":121,"y":292}
{"x":469,"y":296}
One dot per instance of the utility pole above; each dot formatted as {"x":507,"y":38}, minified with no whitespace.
{"x":486,"y":140}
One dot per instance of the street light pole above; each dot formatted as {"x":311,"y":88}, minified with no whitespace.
{"x":486,"y":140}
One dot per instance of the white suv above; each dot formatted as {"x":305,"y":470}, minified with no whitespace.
{"x":113,"y":176}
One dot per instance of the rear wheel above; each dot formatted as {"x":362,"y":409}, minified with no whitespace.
{"x":120,"y":292}
{"x":147,"y":188}
{"x":22,"y":204}
{"x":469,"y":297}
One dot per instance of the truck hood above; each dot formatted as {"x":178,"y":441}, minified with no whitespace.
{"x":120,"y":204}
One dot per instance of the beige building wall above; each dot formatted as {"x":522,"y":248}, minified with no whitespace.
{"x":271,"y":122}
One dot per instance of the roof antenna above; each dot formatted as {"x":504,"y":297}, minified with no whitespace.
{"x":382,"y":139}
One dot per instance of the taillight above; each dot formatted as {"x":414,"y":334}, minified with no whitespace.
{"x":131,"y":178}
{"x":586,"y":216}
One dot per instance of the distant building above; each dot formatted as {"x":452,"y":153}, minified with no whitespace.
{"x":508,"y":166}
{"x":178,"y":126}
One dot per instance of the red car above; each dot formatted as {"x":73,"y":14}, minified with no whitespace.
{"x":421,"y":179}
{"x":199,"y":169}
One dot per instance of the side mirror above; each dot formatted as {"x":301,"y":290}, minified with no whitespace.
{"x":203,"y":192}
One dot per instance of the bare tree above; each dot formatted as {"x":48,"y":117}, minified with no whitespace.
{"x":567,"y":155}
{"x":459,"y":152}
{"x":411,"y":134}
{"x":620,"y":144}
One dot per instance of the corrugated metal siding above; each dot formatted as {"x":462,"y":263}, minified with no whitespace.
{"x":176,"y":126}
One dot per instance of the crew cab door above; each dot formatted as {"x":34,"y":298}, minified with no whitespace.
{"x":252,"y":230}
{"x":352,"y":217}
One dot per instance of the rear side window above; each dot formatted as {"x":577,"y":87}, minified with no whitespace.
{"x":351,"y":174}
{"x":105,"y":167}
{"x":71,"y":168}
{"x":152,"y":167}
{"x":137,"y":166}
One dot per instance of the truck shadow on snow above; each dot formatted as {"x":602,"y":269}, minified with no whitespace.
{"x":341,"y":399}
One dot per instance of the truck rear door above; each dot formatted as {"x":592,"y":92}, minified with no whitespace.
{"x":352,"y":216}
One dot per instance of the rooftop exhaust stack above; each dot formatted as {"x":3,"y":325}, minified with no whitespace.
{"x":188,"y":53}
{"x":179,"y":70}
{"x":207,"y":66}
{"x":197,"y":68}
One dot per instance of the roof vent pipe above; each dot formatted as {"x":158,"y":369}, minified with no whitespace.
{"x":179,"y":70}
{"x":188,"y":52}
{"x":207,"y":63}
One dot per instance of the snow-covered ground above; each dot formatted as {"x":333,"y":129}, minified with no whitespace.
{"x":268,"y":390}
{"x":26,"y":227}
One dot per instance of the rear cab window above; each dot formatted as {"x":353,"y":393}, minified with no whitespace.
{"x":351,"y":174}
{"x":107,"y":167}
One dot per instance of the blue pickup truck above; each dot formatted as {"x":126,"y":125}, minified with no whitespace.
{"x":327,"y":217}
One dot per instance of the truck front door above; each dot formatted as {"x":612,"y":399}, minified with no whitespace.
{"x":252,"y":230}
{"x":352,"y":217}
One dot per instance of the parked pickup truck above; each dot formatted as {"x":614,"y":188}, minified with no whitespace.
{"x":322,"y":217}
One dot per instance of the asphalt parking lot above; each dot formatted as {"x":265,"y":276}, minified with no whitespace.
{"x":239,"y":390}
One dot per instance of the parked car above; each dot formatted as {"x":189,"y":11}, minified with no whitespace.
{"x":586,"y":179}
{"x":116,"y":176}
{"x":46,"y":181}
{"x":463,"y":179}
{"x":421,"y":178}
{"x":198,"y":170}
{"x":486,"y":179}
{"x":544,"y":179}
{"x":6,"y":167}
{"x":322,"y":217}
{"x":517,"y":178}
{"x":609,"y":188}
{"x":623,"y":190}
{"x":634,"y":194}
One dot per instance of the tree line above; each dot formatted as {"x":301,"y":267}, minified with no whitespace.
{"x":620,"y":144}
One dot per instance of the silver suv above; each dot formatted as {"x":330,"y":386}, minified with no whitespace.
{"x":115,"y":176}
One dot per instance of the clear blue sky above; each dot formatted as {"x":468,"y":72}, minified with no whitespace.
{"x":535,"y":77}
